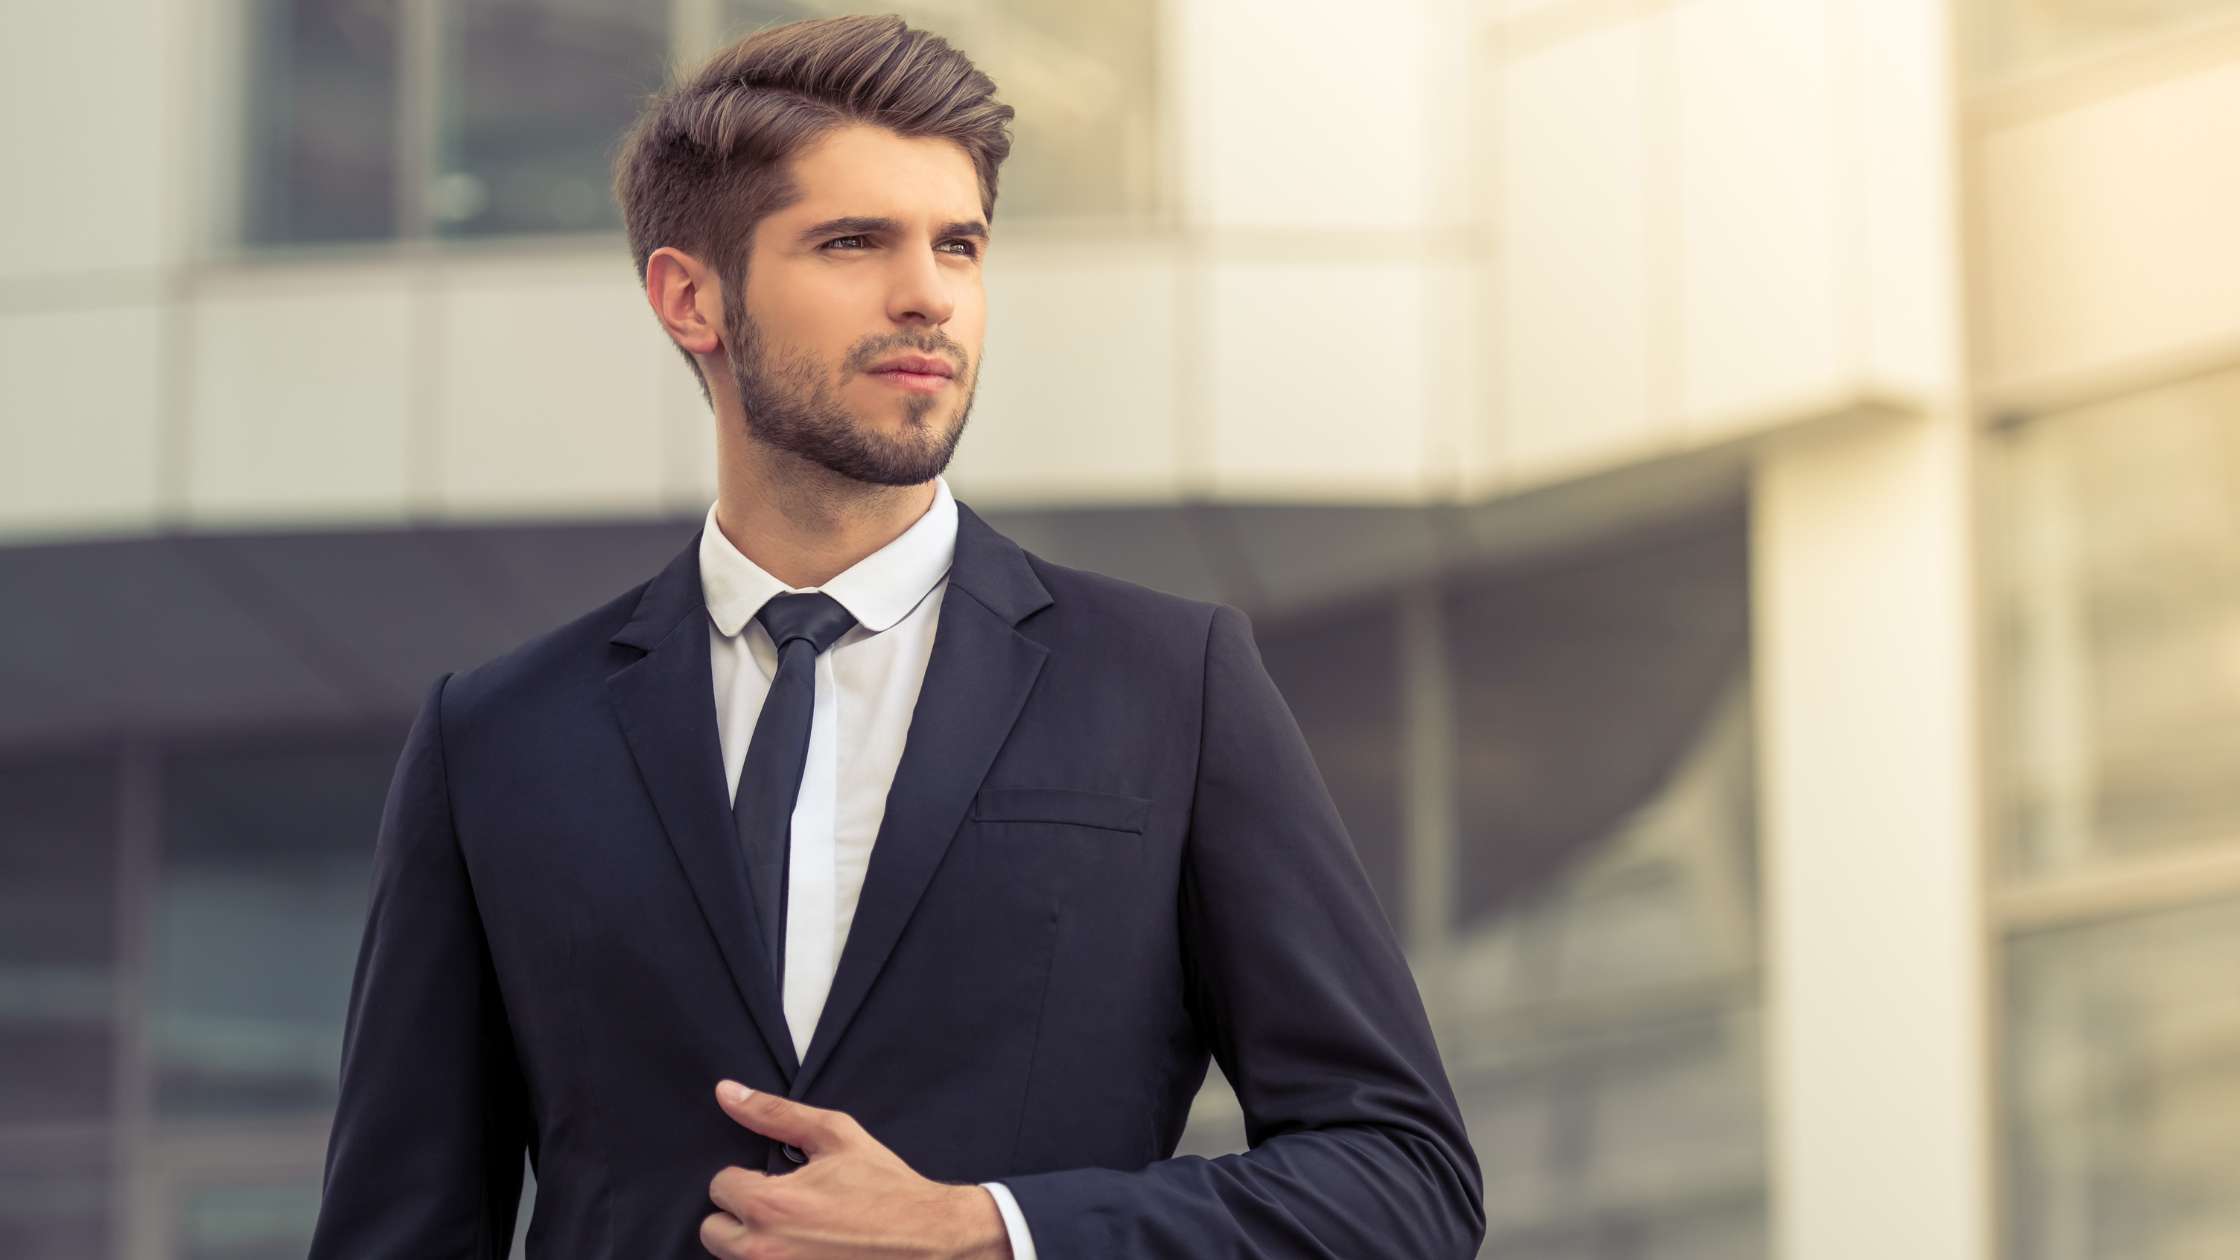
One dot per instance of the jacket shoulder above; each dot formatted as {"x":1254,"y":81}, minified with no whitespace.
{"x":551,"y":666}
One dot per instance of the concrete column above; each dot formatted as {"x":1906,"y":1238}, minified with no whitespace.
{"x":1875,"y":993}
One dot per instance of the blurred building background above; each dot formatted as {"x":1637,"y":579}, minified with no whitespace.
{"x":1742,"y":495}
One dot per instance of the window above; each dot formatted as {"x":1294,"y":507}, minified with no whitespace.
{"x":58,"y":1013}
{"x":320,"y":122}
{"x":58,"y":935}
{"x":371,"y":120}
{"x":534,"y":96}
{"x":260,"y":901}
{"x":2122,"y":1079}
{"x":2117,"y":624}
{"x":522,"y":103}
{"x":1604,"y":1034}
{"x":2013,"y":36}
{"x":1083,"y":78}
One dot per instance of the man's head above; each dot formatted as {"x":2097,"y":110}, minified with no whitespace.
{"x":809,"y":212}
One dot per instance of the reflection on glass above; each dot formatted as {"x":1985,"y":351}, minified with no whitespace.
{"x":267,"y":861}
{"x":1605,"y":1039}
{"x":58,"y":929}
{"x":319,"y":122}
{"x":534,"y":93}
{"x":260,"y":1222}
{"x":54,"y":1209}
{"x":2020,"y":35}
{"x":1339,"y":670}
{"x":2123,"y":1084}
{"x":2119,"y":628}
{"x":1081,"y":76}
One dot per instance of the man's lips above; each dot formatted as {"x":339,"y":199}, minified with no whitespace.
{"x":914,"y":372}
{"x":917,"y":365}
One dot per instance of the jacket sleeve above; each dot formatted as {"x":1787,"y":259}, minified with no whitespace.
{"x":1300,"y":987}
{"x":424,"y":1160}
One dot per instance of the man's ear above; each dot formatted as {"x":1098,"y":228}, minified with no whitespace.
{"x":687,"y":297}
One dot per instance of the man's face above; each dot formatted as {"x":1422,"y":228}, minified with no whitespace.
{"x":855,"y":342}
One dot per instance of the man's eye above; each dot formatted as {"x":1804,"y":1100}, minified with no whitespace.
{"x":837,"y":240}
{"x":969,"y":250}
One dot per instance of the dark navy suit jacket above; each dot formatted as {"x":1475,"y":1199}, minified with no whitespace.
{"x":1107,"y":853}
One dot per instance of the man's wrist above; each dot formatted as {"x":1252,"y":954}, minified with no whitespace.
{"x":978,"y":1231}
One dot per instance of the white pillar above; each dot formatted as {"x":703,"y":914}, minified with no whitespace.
{"x":1875,"y":992}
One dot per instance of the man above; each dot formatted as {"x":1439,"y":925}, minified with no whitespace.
{"x":963,"y":861}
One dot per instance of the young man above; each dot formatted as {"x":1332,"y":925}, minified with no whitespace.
{"x":963,"y":861}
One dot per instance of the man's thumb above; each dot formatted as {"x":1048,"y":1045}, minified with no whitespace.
{"x":774,"y":1117}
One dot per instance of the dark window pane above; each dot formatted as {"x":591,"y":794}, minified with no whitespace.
{"x":1340,"y":673}
{"x":260,"y":1222}
{"x":1603,"y":1036}
{"x":261,"y":900}
{"x":320,"y":151}
{"x":54,"y":1205}
{"x":58,"y":872}
{"x":536,"y":93}
{"x":1581,"y":689}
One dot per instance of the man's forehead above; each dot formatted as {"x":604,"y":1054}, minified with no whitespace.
{"x":871,"y":172}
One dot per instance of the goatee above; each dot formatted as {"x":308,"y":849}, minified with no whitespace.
{"x":790,"y":405}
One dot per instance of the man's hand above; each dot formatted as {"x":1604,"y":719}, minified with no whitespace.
{"x":853,"y":1198}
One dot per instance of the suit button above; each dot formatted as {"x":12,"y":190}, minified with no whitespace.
{"x":795,"y":1153}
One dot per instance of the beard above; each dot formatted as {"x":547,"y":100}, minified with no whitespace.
{"x":790,"y":403}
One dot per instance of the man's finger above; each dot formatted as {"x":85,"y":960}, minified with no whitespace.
{"x":733,"y":1187}
{"x":721,"y":1234}
{"x":813,"y":1129}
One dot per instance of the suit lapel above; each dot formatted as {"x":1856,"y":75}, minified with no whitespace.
{"x":976,"y":683}
{"x":666,"y":703}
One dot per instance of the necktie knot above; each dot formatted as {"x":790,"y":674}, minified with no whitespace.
{"x":811,"y":615}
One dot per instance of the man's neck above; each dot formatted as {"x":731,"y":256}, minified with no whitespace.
{"x":805,"y":525}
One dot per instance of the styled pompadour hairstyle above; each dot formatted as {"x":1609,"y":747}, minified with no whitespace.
{"x":707,"y":159}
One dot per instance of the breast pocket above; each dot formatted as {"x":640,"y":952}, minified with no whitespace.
{"x":1106,"y":811}
{"x":1063,"y":843}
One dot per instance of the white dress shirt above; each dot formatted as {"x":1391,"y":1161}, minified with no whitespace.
{"x":867,"y":688}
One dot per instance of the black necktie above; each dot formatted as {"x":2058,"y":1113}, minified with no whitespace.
{"x":802,"y":625}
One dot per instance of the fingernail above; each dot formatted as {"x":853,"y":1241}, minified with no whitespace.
{"x":733,"y":1091}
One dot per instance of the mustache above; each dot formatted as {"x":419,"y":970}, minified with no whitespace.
{"x":872,"y":349}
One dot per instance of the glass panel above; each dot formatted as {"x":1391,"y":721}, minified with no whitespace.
{"x":2123,"y":1084}
{"x":2018,"y":35}
{"x":1644,"y":1141}
{"x":58,"y":929}
{"x":320,"y":122}
{"x":1339,"y":670}
{"x":2119,"y":625}
{"x":1605,"y":1044}
{"x":54,"y":1206}
{"x":263,"y":1222}
{"x":267,"y":865}
{"x":535,"y":94}
{"x":1083,"y":78}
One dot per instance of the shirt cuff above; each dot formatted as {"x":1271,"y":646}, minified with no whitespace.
{"x":1014,"y":1221}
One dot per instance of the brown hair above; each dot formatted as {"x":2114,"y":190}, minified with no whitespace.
{"x":706,"y":160}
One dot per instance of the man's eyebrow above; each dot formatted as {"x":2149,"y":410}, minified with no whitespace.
{"x":854,"y":224}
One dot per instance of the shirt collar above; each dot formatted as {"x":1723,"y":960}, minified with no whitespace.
{"x":878,"y":590}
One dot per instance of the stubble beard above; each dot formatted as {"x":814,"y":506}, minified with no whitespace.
{"x":789,"y":404}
